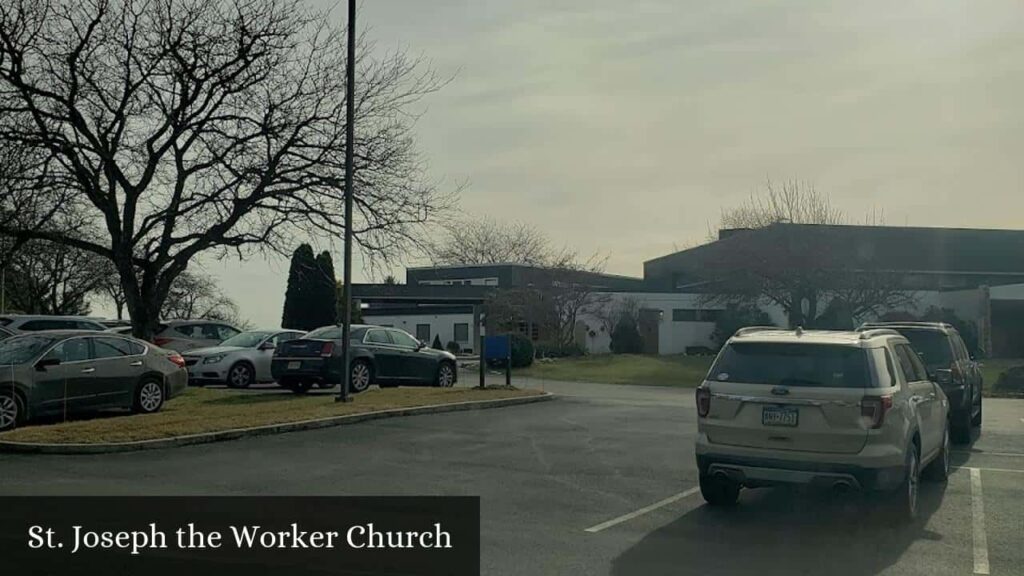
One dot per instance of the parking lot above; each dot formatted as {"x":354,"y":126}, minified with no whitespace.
{"x":600,"y":481}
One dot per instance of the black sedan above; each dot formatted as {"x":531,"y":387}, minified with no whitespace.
{"x":383,"y":356}
{"x":63,"y":371}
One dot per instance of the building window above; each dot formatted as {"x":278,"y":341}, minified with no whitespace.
{"x":461,"y":332}
{"x":694,"y":315}
{"x":423,"y":332}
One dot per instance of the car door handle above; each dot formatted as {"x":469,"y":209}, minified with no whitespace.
{"x":88,"y":370}
{"x":136,"y":363}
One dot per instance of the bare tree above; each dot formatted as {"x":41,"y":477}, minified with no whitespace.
{"x":552,"y":298}
{"x":45,"y":278}
{"x":792,"y":201}
{"x":801,"y":271}
{"x":615,"y":311}
{"x":194,"y":296}
{"x":170,"y":129}
{"x":487,"y":241}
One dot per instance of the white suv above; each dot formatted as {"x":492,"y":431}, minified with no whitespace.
{"x":849,"y":410}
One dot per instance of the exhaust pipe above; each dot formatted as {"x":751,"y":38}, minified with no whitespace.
{"x":842,"y":486}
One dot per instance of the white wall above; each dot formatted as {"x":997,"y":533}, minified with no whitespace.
{"x":440,"y":324}
{"x":673,"y":337}
{"x":1008,"y":292}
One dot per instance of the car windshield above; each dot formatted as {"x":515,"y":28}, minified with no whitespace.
{"x":932,"y":346}
{"x":23,"y":349}
{"x":246,"y":339}
{"x":784,"y":364}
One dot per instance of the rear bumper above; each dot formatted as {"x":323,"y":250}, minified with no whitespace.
{"x":875,"y":467}
{"x":768,"y":472}
{"x":177,"y":381}
{"x":309,"y":369}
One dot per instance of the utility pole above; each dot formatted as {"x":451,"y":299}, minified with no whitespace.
{"x":350,"y":137}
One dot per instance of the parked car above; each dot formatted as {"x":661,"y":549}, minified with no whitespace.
{"x":58,"y":372}
{"x":182,"y":335}
{"x":949,"y":363}
{"x":379,"y":355}
{"x":114,"y":323}
{"x":5,"y":333}
{"x":20,"y":323}
{"x":238,"y":361}
{"x":125,"y":330}
{"x":847,"y":410}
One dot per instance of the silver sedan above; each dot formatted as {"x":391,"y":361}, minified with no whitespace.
{"x":238,"y":361}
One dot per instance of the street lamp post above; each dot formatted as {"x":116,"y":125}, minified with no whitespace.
{"x":350,"y":80}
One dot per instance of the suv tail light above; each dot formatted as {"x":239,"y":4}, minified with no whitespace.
{"x":873,"y":409}
{"x":161,"y":341}
{"x":177,"y":359}
{"x":327,"y":349}
{"x":703,"y":401}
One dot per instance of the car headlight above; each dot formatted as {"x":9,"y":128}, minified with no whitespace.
{"x":213,"y":359}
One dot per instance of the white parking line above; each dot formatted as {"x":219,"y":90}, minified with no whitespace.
{"x":992,"y":469}
{"x":642,"y":511}
{"x":987,"y":453}
{"x":978,"y":523}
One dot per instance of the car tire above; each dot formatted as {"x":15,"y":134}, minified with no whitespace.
{"x":719,"y":492}
{"x":12,"y":411}
{"x":149,"y":397}
{"x":361,"y":376}
{"x":445,"y":377}
{"x":938,"y":470}
{"x":241,"y":375}
{"x":300,"y":387}
{"x":905,"y":498}
{"x":976,"y":419}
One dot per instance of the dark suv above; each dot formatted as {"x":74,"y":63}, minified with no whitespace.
{"x":950,"y":364}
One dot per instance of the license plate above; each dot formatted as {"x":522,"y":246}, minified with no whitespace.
{"x":775,"y":416}
{"x":294,"y":365}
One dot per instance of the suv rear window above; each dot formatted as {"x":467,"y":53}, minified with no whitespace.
{"x":933,"y":347}
{"x":788,"y":364}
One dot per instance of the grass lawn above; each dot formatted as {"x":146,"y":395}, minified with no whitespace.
{"x":993,"y":367}
{"x":683,"y":371}
{"x":200,"y":410}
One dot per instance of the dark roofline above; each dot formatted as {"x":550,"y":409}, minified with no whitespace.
{"x":734,"y":234}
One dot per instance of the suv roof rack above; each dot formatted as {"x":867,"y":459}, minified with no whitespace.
{"x":872,"y":332}
{"x":867,"y":325}
{"x":751,"y":329}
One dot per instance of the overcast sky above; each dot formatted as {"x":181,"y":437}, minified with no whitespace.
{"x":625,"y":127}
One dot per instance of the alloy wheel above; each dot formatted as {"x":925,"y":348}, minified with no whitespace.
{"x":445,"y":376}
{"x":151,"y":396}
{"x":360,"y":376}
{"x":8,"y":412}
{"x":240,"y":376}
{"x":912,"y":483}
{"x":945,"y":452}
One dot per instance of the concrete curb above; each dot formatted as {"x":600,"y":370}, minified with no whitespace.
{"x":35,"y":448}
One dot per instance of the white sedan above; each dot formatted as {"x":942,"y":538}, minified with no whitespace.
{"x":238,"y":361}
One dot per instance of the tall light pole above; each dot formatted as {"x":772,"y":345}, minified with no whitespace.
{"x":350,"y":137}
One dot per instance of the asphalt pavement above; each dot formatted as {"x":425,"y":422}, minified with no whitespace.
{"x":600,"y":481}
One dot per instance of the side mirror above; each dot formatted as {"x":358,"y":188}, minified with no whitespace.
{"x":943,"y":376}
{"x":268,"y":345}
{"x":45,"y":363}
{"x":420,"y":344}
